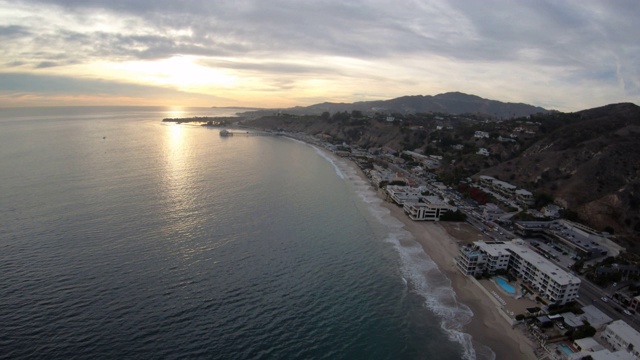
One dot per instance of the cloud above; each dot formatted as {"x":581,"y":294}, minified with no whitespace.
{"x":13,"y":31}
{"x":42,"y":87}
{"x":385,"y":47}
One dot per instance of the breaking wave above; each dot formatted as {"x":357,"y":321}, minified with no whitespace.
{"x":419,"y":272}
{"x":331,"y":161}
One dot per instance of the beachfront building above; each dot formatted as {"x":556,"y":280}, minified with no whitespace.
{"x":620,"y":336}
{"x":380,"y":176}
{"x":402,"y":194}
{"x":603,"y":354}
{"x":428,"y":208}
{"x":482,"y":257}
{"x":551,"y":282}
{"x":587,"y":344}
{"x":538,"y":273}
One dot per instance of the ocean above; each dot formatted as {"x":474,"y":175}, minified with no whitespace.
{"x":125,"y":237}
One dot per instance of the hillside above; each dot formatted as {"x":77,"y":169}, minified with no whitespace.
{"x":587,"y":161}
{"x":449,"y":103}
{"x":590,"y":163}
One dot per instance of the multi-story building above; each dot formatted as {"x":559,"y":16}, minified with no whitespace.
{"x":483,"y":257}
{"x":504,"y":188}
{"x":507,"y":190}
{"x":429,"y":208}
{"x":566,"y":235}
{"x":524,"y":197}
{"x":486,"y":180}
{"x":471,"y":261}
{"x":620,"y":336}
{"x":551,"y":282}
{"x":635,"y":303}
{"x":402,"y":194}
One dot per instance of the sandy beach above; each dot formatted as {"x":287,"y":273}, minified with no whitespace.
{"x":487,"y":327}
{"x":441,"y":243}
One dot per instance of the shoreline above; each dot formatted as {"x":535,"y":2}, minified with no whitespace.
{"x":487,"y":327}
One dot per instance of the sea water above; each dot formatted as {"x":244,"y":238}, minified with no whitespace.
{"x":125,"y":237}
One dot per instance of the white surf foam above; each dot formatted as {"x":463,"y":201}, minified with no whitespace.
{"x":331,"y":161}
{"x":418,"y":269}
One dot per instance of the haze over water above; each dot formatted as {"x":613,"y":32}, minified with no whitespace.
{"x":125,"y":237}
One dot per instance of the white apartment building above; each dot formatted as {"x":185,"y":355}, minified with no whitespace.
{"x":430,"y":208}
{"x":486,"y":180}
{"x":380,"y":176}
{"x":481,"y":134}
{"x":483,"y":257}
{"x":402,"y":194}
{"x":620,"y":336}
{"x":524,"y":197}
{"x":551,"y":282}
{"x":507,"y":190}
{"x":603,"y":354}
{"x":504,"y":188}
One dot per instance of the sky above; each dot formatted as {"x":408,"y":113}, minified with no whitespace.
{"x":563,"y":55}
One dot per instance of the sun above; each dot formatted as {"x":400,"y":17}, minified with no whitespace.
{"x":181,"y":72}
{"x":186,"y":72}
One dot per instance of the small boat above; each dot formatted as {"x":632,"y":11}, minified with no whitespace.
{"x":225,"y":132}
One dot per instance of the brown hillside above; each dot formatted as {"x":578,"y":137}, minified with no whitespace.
{"x":591,"y":166}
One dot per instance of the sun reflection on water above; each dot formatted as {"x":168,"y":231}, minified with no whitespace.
{"x":175,"y":112}
{"x":182,"y":220}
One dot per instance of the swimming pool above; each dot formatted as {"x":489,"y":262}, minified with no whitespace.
{"x":565,"y":349}
{"x":505,"y":286}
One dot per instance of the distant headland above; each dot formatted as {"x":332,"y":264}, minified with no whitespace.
{"x":206,"y":120}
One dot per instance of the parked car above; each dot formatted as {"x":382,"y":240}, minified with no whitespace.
{"x":604,"y":298}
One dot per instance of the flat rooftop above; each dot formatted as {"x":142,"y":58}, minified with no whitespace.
{"x":493,"y":248}
{"x":625,"y":331}
{"x":552,"y":270}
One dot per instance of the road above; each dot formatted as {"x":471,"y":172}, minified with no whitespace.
{"x":591,"y":294}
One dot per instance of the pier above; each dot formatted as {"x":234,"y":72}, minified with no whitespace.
{"x":249,"y":133}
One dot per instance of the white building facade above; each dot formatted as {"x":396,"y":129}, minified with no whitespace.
{"x":538,"y":273}
{"x":429,"y":209}
{"x":620,"y":336}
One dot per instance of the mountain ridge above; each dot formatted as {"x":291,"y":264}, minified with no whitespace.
{"x":451,"y":103}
